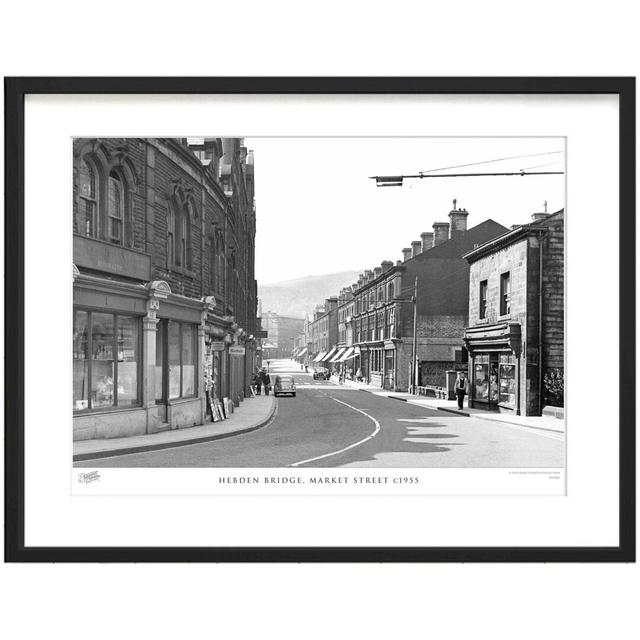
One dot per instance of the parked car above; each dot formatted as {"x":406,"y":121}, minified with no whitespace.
{"x":321,"y":374}
{"x":284,"y":384}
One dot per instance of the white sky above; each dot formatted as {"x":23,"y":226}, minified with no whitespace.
{"x":317,"y":211}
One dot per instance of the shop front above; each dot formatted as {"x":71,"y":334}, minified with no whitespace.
{"x":495,"y":370}
{"x":137,"y":358}
{"x":361,"y":363}
{"x":389,"y":365}
{"x":376,"y":363}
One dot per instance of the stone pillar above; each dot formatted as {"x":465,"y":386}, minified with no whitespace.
{"x":201,"y":364}
{"x":471,"y":375}
{"x":149,"y":330}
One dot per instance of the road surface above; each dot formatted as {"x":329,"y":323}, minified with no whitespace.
{"x":330,"y":425}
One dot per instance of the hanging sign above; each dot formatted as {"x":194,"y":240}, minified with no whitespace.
{"x":236,"y":351}
{"x":217,"y":346}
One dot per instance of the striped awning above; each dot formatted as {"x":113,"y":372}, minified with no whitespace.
{"x":338,"y":354}
{"x":329,"y":354}
{"x":301,"y":353}
{"x":348,"y":354}
{"x":319,"y":356}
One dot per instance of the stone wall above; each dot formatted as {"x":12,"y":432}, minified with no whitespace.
{"x":553,"y":294}
{"x":153,"y":171}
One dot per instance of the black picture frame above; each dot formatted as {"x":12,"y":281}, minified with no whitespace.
{"x":15,"y":91}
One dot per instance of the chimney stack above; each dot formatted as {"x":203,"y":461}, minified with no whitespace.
{"x":416,"y":248}
{"x":386,"y":265}
{"x":458,"y":218}
{"x":541,"y":215}
{"x":377,"y":271}
{"x":368,"y":275}
{"x":427,"y":240}
{"x":398,"y":263}
{"x":406,"y":254}
{"x":440,"y":233}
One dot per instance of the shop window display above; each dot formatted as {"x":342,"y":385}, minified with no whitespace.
{"x":188,"y":360}
{"x":481,"y":378}
{"x":127,"y":361}
{"x":160,"y":355}
{"x":102,"y":360}
{"x":80,"y":360}
{"x":507,"y":370}
{"x":105,"y":360}
{"x":182,"y":350}
{"x":486,"y":379}
{"x":174,"y":359}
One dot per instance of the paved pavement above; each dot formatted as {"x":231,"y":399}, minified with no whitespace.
{"x":547,"y":423}
{"x":252,"y":414}
{"x":330,"y":425}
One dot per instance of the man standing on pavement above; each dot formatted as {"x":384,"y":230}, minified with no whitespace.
{"x":266,"y":381}
{"x":257,"y":381}
{"x":462,"y":388}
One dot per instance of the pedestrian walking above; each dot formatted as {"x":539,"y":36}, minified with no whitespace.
{"x":462,"y":388}
{"x":257,"y":382}
{"x":266,"y":381}
{"x":359,"y":375}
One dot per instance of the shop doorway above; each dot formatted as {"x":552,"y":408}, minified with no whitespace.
{"x":494,"y":380}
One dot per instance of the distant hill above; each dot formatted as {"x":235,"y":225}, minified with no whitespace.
{"x":297,"y":297}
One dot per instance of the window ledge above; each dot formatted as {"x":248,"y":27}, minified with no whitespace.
{"x":105,"y":410}
{"x":175,"y":401}
{"x":182,"y":271}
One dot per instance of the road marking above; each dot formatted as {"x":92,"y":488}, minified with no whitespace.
{"x":351,"y":446}
{"x":324,"y":386}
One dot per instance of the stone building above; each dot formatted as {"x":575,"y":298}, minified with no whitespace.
{"x":383,"y":311}
{"x":164,"y":291}
{"x":324,"y":331}
{"x":515,"y":333}
{"x":282,"y":334}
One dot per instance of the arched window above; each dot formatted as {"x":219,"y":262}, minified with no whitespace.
{"x":187,"y":213}
{"x":220,"y":271}
{"x":115,"y":207}
{"x":171,"y":236}
{"x":184,"y":226}
{"x":179,"y":234}
{"x":88,"y":187}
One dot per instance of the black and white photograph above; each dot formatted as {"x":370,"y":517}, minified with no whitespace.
{"x":319,"y":302}
{"x":320,"y":320}
{"x":363,"y":318}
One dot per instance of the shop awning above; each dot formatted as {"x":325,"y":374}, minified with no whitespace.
{"x":501,"y":336}
{"x":319,"y":356}
{"x":338,"y":354}
{"x":348,"y":354}
{"x":301,"y":353}
{"x":329,"y":354}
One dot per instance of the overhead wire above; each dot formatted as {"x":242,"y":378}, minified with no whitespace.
{"x":471,"y":164}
